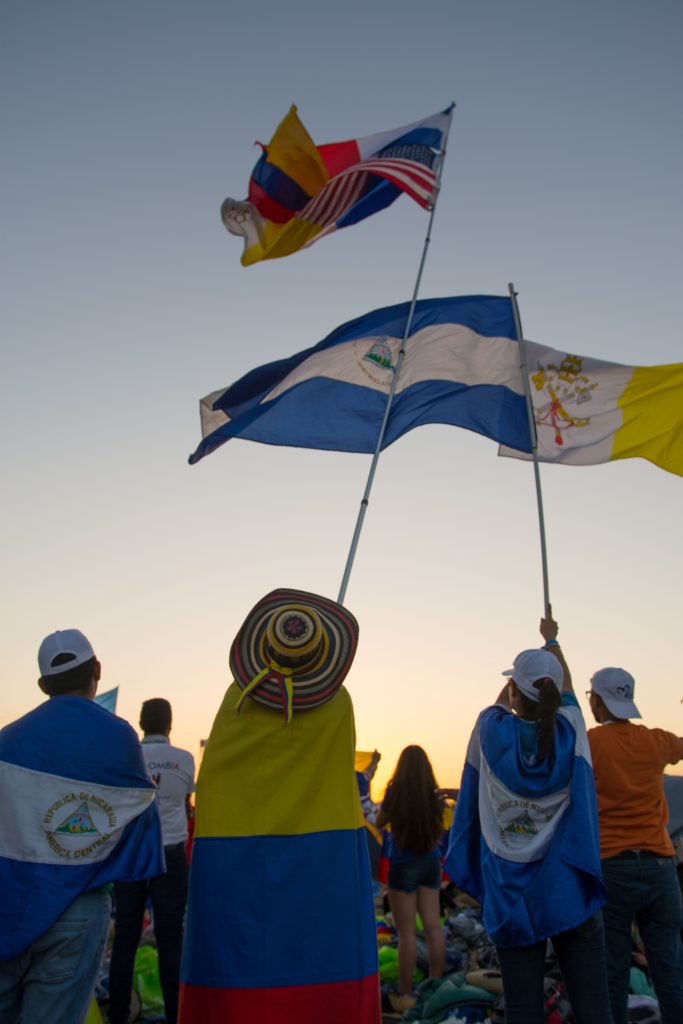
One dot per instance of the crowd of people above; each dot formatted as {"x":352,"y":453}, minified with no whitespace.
{"x":559,"y":833}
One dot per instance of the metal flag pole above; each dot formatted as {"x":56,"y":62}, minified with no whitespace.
{"x":534,"y":444}
{"x":394,"y":382}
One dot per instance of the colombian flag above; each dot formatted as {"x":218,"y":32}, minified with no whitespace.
{"x":299,"y":191}
{"x":280,"y":924}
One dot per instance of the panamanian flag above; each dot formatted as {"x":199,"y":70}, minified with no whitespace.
{"x":79,"y":811}
{"x":524,"y":839}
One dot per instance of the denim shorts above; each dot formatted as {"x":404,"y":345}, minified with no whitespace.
{"x":420,"y":873}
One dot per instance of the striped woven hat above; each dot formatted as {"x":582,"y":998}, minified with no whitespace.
{"x":293,"y":650}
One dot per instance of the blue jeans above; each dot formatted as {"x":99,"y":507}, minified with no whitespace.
{"x":54,"y":979}
{"x":581,"y":955}
{"x":644,"y":889}
{"x":168,"y":895}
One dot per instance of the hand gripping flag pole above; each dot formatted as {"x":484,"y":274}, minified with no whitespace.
{"x":534,"y":444}
{"x":394,"y":383}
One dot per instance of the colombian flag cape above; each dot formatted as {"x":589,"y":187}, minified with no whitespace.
{"x":280,"y":923}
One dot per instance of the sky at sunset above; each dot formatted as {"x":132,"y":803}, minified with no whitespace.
{"x":124,"y":302}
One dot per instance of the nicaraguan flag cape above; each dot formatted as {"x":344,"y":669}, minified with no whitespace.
{"x":299,"y":192}
{"x":589,"y":411}
{"x":79,"y":811}
{"x":280,"y":921}
{"x":461,"y":367}
{"x":524,"y":839}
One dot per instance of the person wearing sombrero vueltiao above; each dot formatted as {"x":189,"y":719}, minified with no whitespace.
{"x":280,"y":924}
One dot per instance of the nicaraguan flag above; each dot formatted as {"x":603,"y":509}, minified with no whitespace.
{"x":79,"y":811}
{"x":279,"y":828}
{"x":524,"y":839}
{"x":461,"y":367}
{"x":299,"y":192}
{"x":589,"y":411}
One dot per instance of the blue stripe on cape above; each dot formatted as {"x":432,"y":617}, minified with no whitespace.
{"x":75,"y":740}
{"x":524,"y":839}
{"x":339,"y":404}
{"x":277,"y":927}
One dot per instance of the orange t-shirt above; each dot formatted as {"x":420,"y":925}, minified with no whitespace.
{"x":628,"y":762}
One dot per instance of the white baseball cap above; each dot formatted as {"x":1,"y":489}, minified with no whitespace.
{"x":530,"y":666}
{"x":616,"y":686}
{"x":64,"y":641}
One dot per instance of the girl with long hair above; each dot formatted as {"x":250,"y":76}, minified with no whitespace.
{"x":524,"y":840}
{"x":414,"y":810}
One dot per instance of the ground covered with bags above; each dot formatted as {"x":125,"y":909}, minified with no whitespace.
{"x":471,"y":990}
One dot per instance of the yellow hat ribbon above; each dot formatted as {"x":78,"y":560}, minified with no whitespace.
{"x":277,"y":674}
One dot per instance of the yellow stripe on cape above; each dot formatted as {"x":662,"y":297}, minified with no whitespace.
{"x":652,"y":407}
{"x":262,"y":777}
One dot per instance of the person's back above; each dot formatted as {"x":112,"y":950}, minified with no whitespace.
{"x":413,"y":807}
{"x":171,"y":769}
{"x":628,"y":763}
{"x":83,"y":814}
{"x":635,"y":849}
{"x":280,"y":920}
{"x":524,"y":837}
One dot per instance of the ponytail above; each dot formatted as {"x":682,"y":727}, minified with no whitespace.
{"x":547,"y":708}
{"x":542,"y":711}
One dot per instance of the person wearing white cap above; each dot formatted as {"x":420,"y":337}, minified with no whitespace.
{"x":172,"y":770}
{"x":524,"y":839}
{"x":637,"y":855}
{"x":80,"y":812}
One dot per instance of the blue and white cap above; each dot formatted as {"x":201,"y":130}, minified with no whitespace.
{"x":616,"y":686}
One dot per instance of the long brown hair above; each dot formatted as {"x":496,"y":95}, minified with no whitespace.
{"x":412,"y":806}
{"x":543,"y":712}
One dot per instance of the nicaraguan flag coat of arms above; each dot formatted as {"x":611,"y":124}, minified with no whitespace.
{"x":79,"y":811}
{"x":524,"y":839}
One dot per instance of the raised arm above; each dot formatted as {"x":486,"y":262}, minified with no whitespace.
{"x":549,"y":629}
{"x":504,"y":695}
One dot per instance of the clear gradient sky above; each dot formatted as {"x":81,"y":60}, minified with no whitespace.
{"x":124,"y":126}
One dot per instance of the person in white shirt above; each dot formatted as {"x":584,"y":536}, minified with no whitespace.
{"x":172,"y":771}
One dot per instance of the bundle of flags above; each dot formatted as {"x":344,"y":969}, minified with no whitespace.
{"x":462,"y":364}
{"x":299,"y":192}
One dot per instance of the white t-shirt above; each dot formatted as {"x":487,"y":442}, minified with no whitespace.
{"x":172,"y":772}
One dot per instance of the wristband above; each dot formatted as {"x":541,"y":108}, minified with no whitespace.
{"x":552,"y":643}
